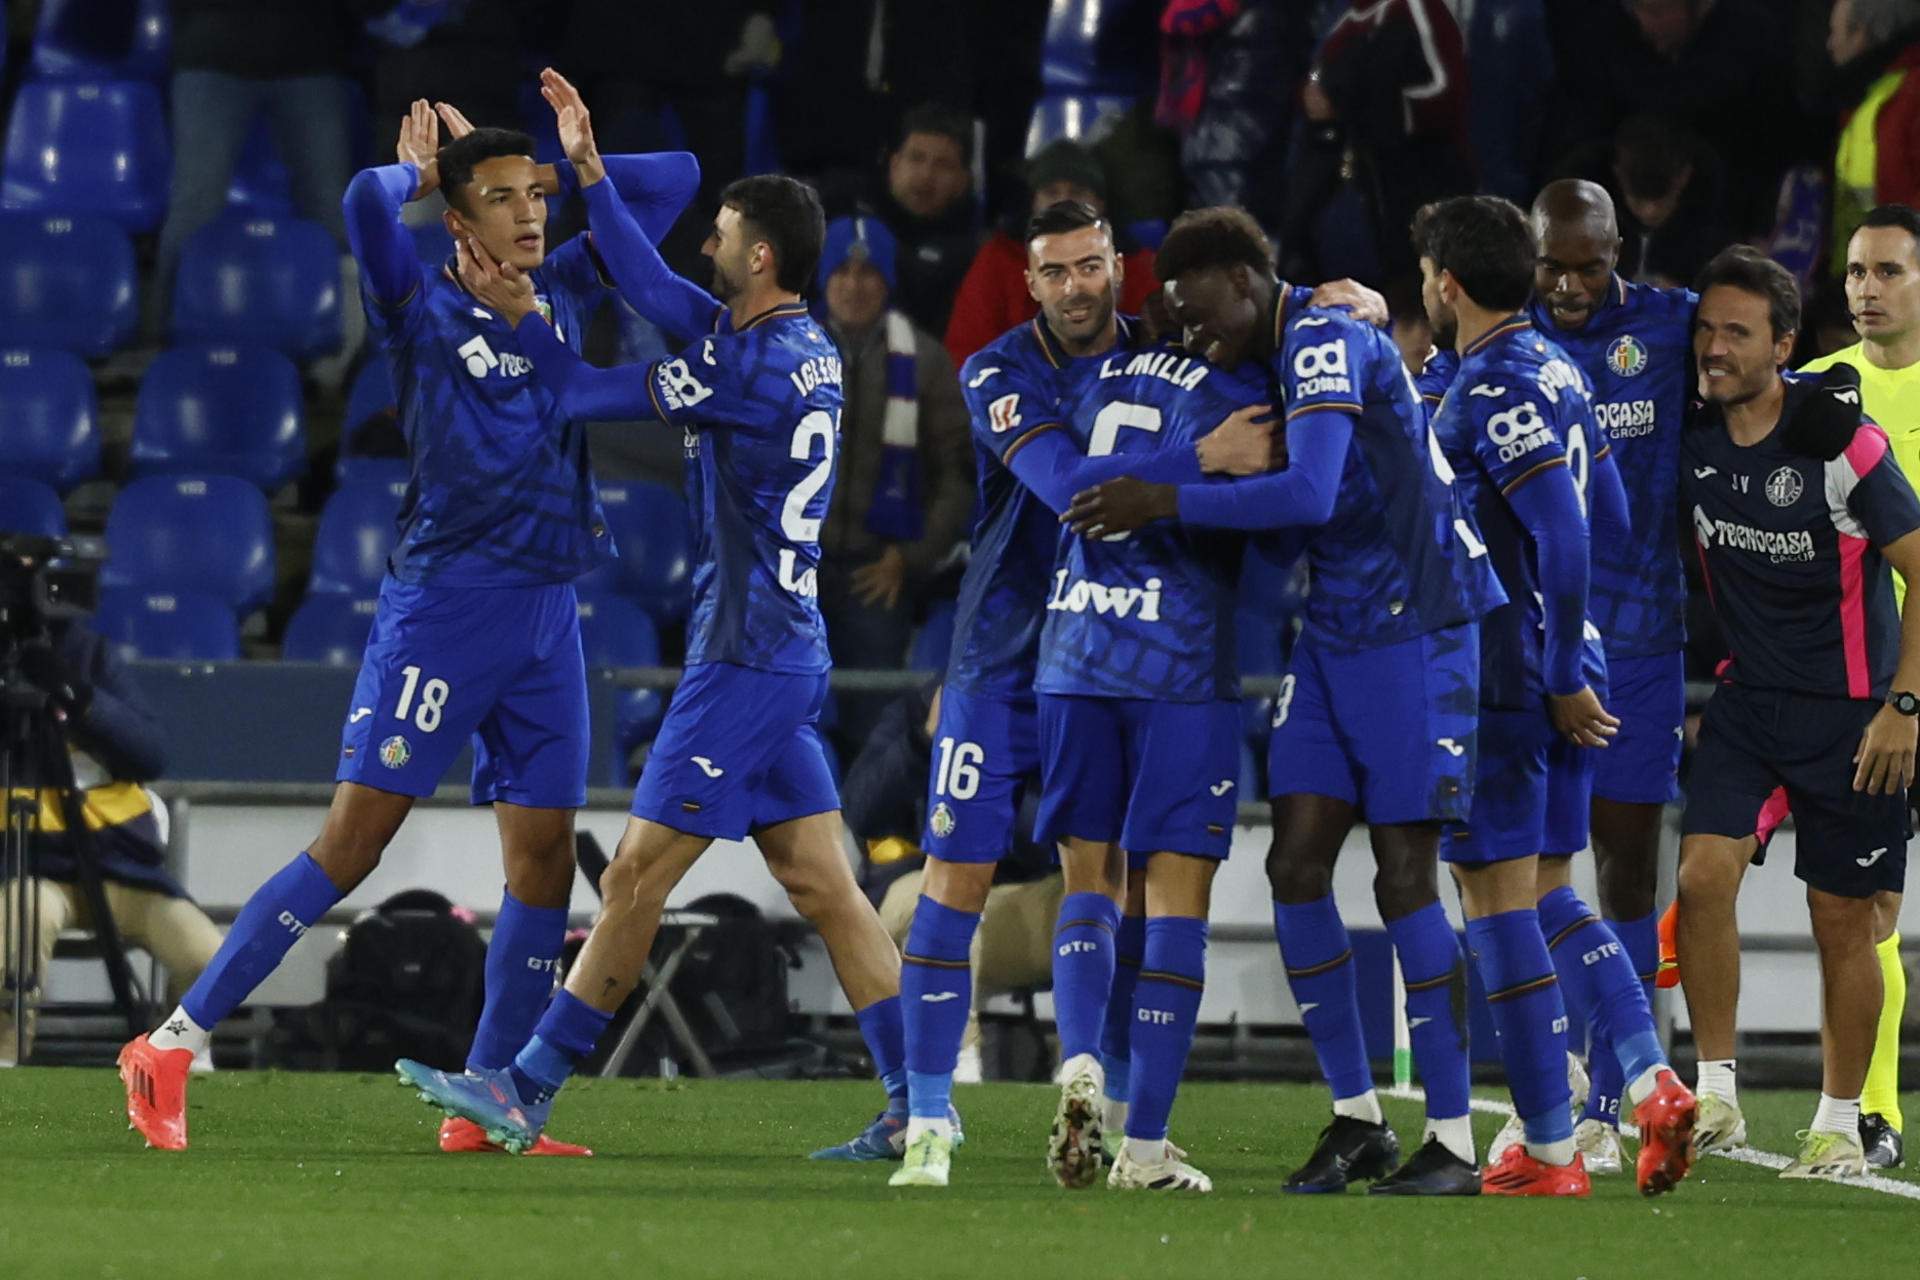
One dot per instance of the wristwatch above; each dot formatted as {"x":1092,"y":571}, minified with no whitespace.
{"x":1906,"y":704}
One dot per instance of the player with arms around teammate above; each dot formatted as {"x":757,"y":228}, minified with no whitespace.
{"x":738,"y":754}
{"x":1798,"y":509}
{"x":1138,"y":703}
{"x":1377,"y":713}
{"x":1634,"y":344}
{"x":1883,"y":293}
{"x":476,"y":635}
{"x":1512,"y":425}
{"x":987,"y":744}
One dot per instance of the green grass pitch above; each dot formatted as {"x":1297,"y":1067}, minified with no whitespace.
{"x":333,"y":1175}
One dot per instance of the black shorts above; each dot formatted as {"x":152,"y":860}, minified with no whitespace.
{"x":1754,"y":741}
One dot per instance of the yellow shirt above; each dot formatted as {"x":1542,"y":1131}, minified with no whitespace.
{"x":1891,"y":397}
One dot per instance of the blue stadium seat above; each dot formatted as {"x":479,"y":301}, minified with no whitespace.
{"x":67,"y":282}
{"x":651,"y":527}
{"x":1082,"y":117}
{"x":934,"y":641}
{"x":88,"y":146}
{"x":184,"y":625}
{"x":231,"y":411}
{"x":353,"y":468}
{"x":28,"y":506}
{"x":329,"y":628}
{"x":48,"y":426}
{"x":1098,"y":45}
{"x":207,"y":534}
{"x":266,"y":281}
{"x":260,"y":185}
{"x":355,"y":536}
{"x":637,"y":714}
{"x":103,"y":38}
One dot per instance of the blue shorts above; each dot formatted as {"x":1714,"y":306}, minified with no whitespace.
{"x":1570,"y":785}
{"x":984,"y":752}
{"x":1642,"y":764}
{"x":498,"y":665}
{"x":737,"y":753}
{"x":1753,"y":741}
{"x":1390,"y":730}
{"x":1509,"y":815}
{"x":1154,"y":777}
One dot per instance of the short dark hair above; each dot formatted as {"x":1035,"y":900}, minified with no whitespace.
{"x":1485,"y":242}
{"x":948,"y":122}
{"x":457,"y":159}
{"x":784,"y":212}
{"x":1902,"y":216}
{"x":1222,"y":236}
{"x":1061,"y":217}
{"x":1746,"y":268}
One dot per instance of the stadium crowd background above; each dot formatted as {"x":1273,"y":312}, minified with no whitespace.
{"x":184,"y":366}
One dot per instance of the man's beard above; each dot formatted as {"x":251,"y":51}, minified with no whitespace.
{"x":723,"y":286}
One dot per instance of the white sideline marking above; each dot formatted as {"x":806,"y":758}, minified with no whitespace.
{"x":1741,"y":1155}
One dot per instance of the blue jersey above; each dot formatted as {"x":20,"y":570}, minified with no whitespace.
{"x":501,"y":493}
{"x":1435,"y":376}
{"x":1148,"y":614}
{"x":1013,"y":387}
{"x":760,"y":409}
{"x":1637,"y":352}
{"x":1397,"y":558}
{"x":1517,"y":407}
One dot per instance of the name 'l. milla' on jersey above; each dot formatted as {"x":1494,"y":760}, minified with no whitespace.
{"x":1147,"y":614}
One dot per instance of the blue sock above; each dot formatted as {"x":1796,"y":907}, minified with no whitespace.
{"x":568,"y":1032}
{"x":1586,"y":952}
{"x":1116,"y":1036}
{"x":1641,"y":938}
{"x":275,"y":917}
{"x":1524,"y":997}
{"x":936,"y":990}
{"x":1083,"y":970}
{"x":523,"y":959}
{"x":1173,"y":976}
{"x":1319,"y":964}
{"x":885,"y":1032}
{"x":1436,"y":978}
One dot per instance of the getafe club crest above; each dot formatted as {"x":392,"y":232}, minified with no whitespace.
{"x":1627,"y":356}
{"x":1784,"y":486}
{"x":942,"y":821}
{"x":394,"y":752}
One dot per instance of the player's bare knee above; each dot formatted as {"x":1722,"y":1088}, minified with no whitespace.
{"x":1404,"y":886}
{"x":626,"y":886}
{"x":1707,"y":883}
{"x":1294,"y":877}
{"x":1840,"y":924}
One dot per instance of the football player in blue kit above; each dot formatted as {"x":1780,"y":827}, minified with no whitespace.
{"x":1377,"y":713}
{"x":758,"y":401}
{"x":1513,"y":425}
{"x":987,"y":742}
{"x":476,"y":635}
{"x":1634,"y":344}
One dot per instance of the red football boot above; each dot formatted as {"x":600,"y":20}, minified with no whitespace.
{"x":1518,"y":1174}
{"x":156,"y":1082}
{"x":459,"y":1135}
{"x":1665,"y":1117}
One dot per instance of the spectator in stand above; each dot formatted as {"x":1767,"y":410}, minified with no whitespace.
{"x":471,"y":53}
{"x":904,"y":486}
{"x":232,"y":61}
{"x":1385,"y":132}
{"x":1723,"y":67}
{"x":1875,"y":46}
{"x":928,"y":205}
{"x":994,"y":296}
{"x":1671,"y":201}
{"x":633,"y":60}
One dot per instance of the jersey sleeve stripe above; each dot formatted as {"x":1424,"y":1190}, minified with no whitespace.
{"x":1327,"y":406}
{"x":1604,"y":451}
{"x":1020,"y":442}
{"x":653,"y":396}
{"x":1530,"y":473}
